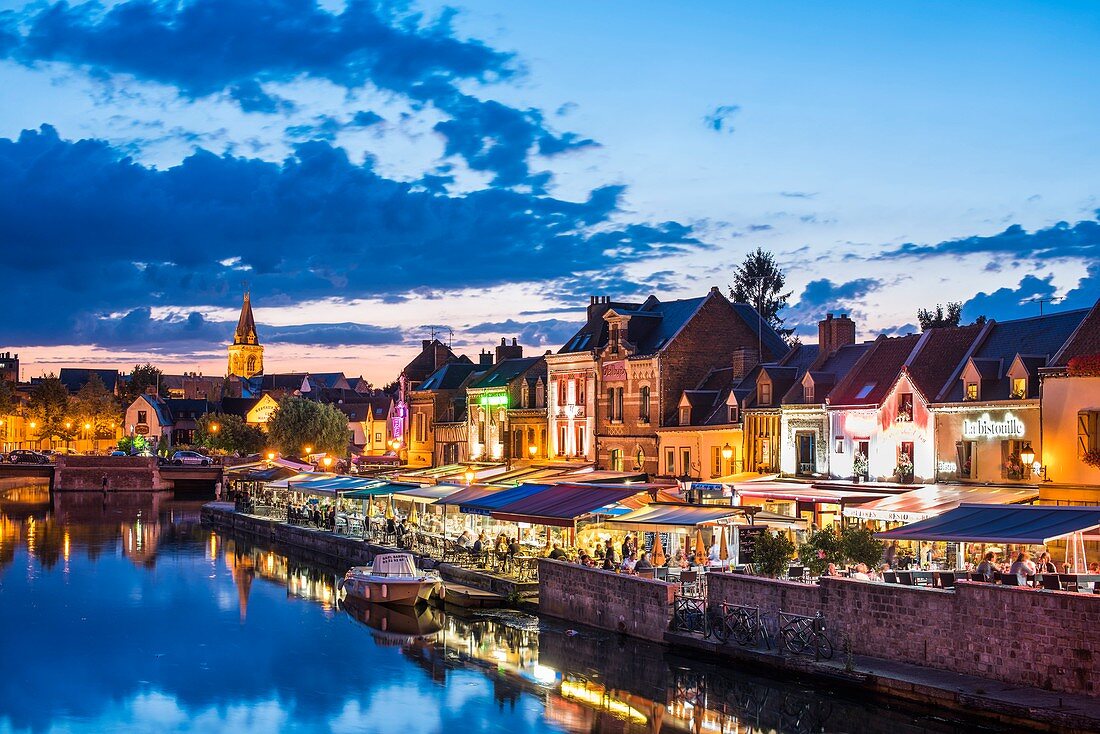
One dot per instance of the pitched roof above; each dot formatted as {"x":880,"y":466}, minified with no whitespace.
{"x":74,"y":378}
{"x":770,"y":339}
{"x":181,"y":407}
{"x":164,"y":414}
{"x":939,"y":356}
{"x":593,"y":334}
{"x":828,"y":374}
{"x":868,"y":382}
{"x":246,"y":324}
{"x":1084,"y":340}
{"x":506,"y":370}
{"x":448,"y":377}
{"x":1035,"y":340}
{"x":238,"y":406}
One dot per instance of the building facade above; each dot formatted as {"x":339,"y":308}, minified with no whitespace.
{"x":440,"y":399}
{"x":506,"y":409}
{"x":246,"y":354}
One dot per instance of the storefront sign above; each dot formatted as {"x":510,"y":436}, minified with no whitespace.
{"x":141,"y":430}
{"x":985,"y":427}
{"x":885,"y":515}
{"x":501,"y":399}
{"x":614,"y":371}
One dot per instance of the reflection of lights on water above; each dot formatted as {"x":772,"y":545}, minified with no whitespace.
{"x":65,"y":546}
{"x":597,"y":696}
{"x":213,"y":547}
{"x":544,"y":674}
{"x":270,"y":562}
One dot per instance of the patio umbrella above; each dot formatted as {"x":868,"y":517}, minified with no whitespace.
{"x":723,"y":549}
{"x":659,"y":552}
{"x":389,"y":509}
{"x":414,"y":518}
{"x":700,"y":549}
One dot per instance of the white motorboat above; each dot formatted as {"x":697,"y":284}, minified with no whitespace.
{"x":394,"y":579}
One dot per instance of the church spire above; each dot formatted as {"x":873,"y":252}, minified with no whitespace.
{"x":246,"y":325}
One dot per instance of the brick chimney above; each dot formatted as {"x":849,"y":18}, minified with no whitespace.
{"x":744,"y":359}
{"x":485,"y":359}
{"x":508,"y":351}
{"x":834,"y":333}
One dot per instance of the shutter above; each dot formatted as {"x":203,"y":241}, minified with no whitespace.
{"x":1006,"y":451}
{"x":1085,"y":427}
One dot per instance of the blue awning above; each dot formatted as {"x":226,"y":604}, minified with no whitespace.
{"x":1024,"y":524}
{"x":485,"y":505}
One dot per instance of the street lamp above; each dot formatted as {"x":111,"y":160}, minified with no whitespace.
{"x":533,"y":449}
{"x":469,"y":475}
{"x":327,"y":462}
{"x":214,"y":427}
{"x":308,"y":450}
{"x":727,"y":454}
{"x":271,"y":456}
{"x":1027,"y":455}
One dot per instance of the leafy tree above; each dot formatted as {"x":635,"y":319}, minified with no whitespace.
{"x":861,"y":546}
{"x":772,"y":553}
{"x":820,"y":549}
{"x":233,"y":435}
{"x":8,"y":403}
{"x":298,"y":422}
{"x":47,"y":409}
{"x":392,"y":388}
{"x":759,"y":281}
{"x":143,"y":377}
{"x":940,"y":317}
{"x":94,"y":405}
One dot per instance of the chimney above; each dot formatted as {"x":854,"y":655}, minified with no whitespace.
{"x":834,"y":333}
{"x":425,"y":343}
{"x":508,"y":351}
{"x":485,"y":359}
{"x":744,"y":359}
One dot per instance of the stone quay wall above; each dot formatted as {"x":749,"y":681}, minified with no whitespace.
{"x":628,"y":604}
{"x":1043,"y":639}
{"x":86,"y":473}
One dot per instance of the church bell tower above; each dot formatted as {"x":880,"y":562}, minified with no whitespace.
{"x":246,"y":355}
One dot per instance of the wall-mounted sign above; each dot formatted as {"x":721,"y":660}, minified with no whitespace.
{"x":493,"y":400}
{"x":614,"y":370}
{"x":141,"y":430}
{"x":985,"y":427}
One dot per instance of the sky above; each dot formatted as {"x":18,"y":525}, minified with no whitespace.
{"x":378,"y":172}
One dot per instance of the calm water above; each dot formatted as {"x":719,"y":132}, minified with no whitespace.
{"x":131,"y":617}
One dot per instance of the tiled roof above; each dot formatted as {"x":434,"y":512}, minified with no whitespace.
{"x":593,"y":335}
{"x":773,"y":344}
{"x":238,"y":406}
{"x":1085,"y":339}
{"x":502,"y":374}
{"x":828,"y":374}
{"x":1036,"y":339}
{"x":655,"y":323}
{"x":448,"y":377}
{"x":939,"y":357}
{"x":74,"y":378}
{"x":868,"y":382}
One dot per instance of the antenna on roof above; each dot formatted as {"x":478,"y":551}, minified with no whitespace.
{"x":432,"y":330}
{"x":1040,"y":300}
{"x":450,"y":336}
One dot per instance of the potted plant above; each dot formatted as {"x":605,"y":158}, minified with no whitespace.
{"x":859,"y":466}
{"x":904,"y":469}
{"x":1014,"y":467}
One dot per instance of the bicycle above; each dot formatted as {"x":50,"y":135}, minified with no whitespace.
{"x":797,"y":633}
{"x":744,"y":624}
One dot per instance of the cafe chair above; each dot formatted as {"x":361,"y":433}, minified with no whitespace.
{"x":890,"y":577}
{"x":1051,"y":582}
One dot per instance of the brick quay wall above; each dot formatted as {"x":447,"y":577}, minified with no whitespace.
{"x":628,"y":604}
{"x":1042,"y":639}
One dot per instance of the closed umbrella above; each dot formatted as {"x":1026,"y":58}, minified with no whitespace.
{"x":389,"y":509}
{"x":700,"y":549}
{"x":659,"y":552}
{"x":723,"y":549}
{"x":414,"y":518}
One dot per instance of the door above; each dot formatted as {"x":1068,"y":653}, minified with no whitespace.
{"x":807,"y":457}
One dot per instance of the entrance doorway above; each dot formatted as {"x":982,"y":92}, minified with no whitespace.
{"x":806,"y":453}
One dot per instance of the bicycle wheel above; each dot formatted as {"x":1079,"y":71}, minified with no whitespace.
{"x":824,"y":647}
{"x":719,"y":628}
{"x":742,"y":633}
{"x":792,"y":640}
{"x":765,"y":637}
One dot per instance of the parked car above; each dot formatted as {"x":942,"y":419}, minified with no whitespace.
{"x":190,"y":457}
{"x":116,"y":452}
{"x":25,"y":456}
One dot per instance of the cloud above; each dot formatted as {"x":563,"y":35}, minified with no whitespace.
{"x":1061,"y":240}
{"x":122,"y":237}
{"x":822,"y":296}
{"x":1022,"y":300}
{"x":721,"y":119}
{"x":235,"y":48}
{"x":797,"y":194}
{"x":546,"y":333}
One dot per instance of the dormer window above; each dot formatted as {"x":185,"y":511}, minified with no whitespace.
{"x":905,"y":407}
{"x":685,"y":415}
{"x":1019,"y":388}
{"x":613,"y":339}
{"x":972,"y":392}
{"x":732,"y":413}
{"x":808,"y":392}
{"x":764,"y":393}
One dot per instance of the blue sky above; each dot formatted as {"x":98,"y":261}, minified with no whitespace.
{"x":373,"y":170}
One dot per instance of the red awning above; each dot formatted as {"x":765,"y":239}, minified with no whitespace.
{"x":469,"y":494}
{"x":562,"y":504}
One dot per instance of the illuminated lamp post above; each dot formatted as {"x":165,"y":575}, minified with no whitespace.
{"x":271,"y":456}
{"x":727,"y":455}
{"x":532,"y":449}
{"x":33,"y":426}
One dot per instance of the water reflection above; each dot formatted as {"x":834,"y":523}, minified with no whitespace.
{"x":132,"y":616}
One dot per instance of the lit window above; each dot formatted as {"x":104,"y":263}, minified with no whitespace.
{"x":905,"y":406}
{"x":765,"y":393}
{"x":1019,"y":388}
{"x":685,"y":416}
{"x":971,"y":391}
{"x":808,"y":392}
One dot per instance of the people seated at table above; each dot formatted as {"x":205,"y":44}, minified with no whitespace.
{"x":465,"y":540}
{"x":609,"y":553}
{"x":628,"y":563}
{"x":1023,"y":567}
{"x":831,"y":570}
{"x":557,"y":553}
{"x":608,"y":563}
{"x":644,"y":564}
{"x":861,"y":574}
{"x":679,"y":560}
{"x":597,"y":551}
{"x":1045,"y":564}
{"x":479,"y":545}
{"x":584,"y":559}
{"x":987,"y":569}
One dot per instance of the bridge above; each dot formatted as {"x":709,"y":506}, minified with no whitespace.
{"x":123,"y":473}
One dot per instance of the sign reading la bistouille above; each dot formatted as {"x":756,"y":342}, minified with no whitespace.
{"x":985,"y":427}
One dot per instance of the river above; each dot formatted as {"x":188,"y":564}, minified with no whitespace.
{"x":129,"y":616}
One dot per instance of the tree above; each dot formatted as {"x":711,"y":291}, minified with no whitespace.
{"x":96,"y":408}
{"x":233,"y":435}
{"x":143,"y":377}
{"x":940,"y":317}
{"x":298,"y":422}
{"x":861,"y":546}
{"x":47,"y":408}
{"x":820,"y":549}
{"x":772,"y":553}
{"x":8,"y":403}
{"x":759,"y":282}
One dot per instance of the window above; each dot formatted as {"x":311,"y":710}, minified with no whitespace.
{"x":378,"y":438}
{"x":616,"y":460}
{"x":685,"y":415}
{"x":1087,"y":423}
{"x":716,"y":461}
{"x":581,"y":449}
{"x":808,"y":392}
{"x":1012,"y":466}
{"x":611,"y":404}
{"x":670,"y":462}
{"x":643,"y":405}
{"x":563,"y":433}
{"x":542,"y":440}
{"x":639,"y":460}
{"x":732,"y":413}
{"x":905,"y":407}
{"x":563,"y":398}
{"x":838,"y":445}
{"x":865,"y":390}
{"x":142,"y":416}
{"x":971,"y":391}
{"x":685,"y":461}
{"x":613,"y":340}
{"x":764,"y":392}
{"x":964,"y":451}
{"x":1019,"y":388}
{"x":540,"y":395}
{"x":578,"y":390}
{"x":619,"y":403}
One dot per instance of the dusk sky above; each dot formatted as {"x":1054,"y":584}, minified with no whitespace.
{"x":372,"y":170}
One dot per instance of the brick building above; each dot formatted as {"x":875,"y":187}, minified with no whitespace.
{"x":653,"y":353}
{"x":506,"y":408}
{"x":437,"y":410}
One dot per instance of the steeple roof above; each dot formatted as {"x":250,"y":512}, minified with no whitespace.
{"x":246,"y":324}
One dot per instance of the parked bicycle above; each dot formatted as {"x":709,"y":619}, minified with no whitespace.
{"x":800,"y":634}
{"x":744,"y":624}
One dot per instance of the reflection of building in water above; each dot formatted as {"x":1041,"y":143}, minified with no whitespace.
{"x":244,"y":562}
{"x":140,"y":540}
{"x":242,"y":568}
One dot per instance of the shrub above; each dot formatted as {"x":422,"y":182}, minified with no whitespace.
{"x":861,"y":546}
{"x":1092,"y":458}
{"x":820,"y":549}
{"x":773,"y":553}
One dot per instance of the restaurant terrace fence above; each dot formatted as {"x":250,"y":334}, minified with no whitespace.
{"x":628,"y":604}
{"x":1029,"y":637}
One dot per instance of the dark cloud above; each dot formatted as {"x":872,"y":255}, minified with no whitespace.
{"x":822,"y":296}
{"x":721,"y":119}
{"x":547,"y":333}
{"x":797,"y":194}
{"x":1080,"y":240}
{"x":206,"y":48}
{"x":122,"y":236}
{"x":1023,"y":300}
